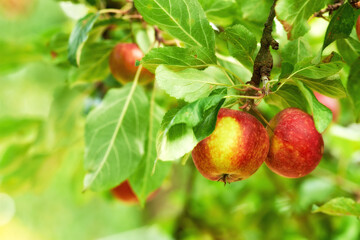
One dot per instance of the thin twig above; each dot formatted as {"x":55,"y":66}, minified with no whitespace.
{"x":330,"y":8}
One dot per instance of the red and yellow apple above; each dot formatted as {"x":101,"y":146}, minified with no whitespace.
{"x":125,"y":193}
{"x":122,"y":63}
{"x":296,"y":147}
{"x":331,"y":103}
{"x":235,"y":150}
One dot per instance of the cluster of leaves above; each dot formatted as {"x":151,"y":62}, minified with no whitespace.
{"x":191,"y":72}
{"x":129,"y":130}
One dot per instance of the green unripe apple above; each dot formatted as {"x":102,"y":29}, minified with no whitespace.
{"x":296,"y":147}
{"x":235,"y":150}
{"x":122,"y":62}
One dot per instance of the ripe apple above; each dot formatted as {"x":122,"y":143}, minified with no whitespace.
{"x":331,"y":103}
{"x":124,"y":193}
{"x":16,"y":9}
{"x":122,"y":63}
{"x":358,"y":27}
{"x":296,"y":147}
{"x":235,"y":150}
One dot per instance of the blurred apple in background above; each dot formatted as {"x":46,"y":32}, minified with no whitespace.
{"x":358,"y":27}
{"x":124,"y":193}
{"x":16,"y":9}
{"x":122,"y":63}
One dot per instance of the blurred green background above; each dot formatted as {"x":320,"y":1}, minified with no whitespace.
{"x":41,"y":158}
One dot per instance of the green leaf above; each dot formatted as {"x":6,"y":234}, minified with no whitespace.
{"x":331,"y":86}
{"x":13,"y":154}
{"x":353,"y":87}
{"x":78,"y":37}
{"x":10,"y":127}
{"x":254,"y":11}
{"x":181,"y":129}
{"x":94,"y":64}
{"x":287,"y":96}
{"x":184,"y":20}
{"x":339,"y":207}
{"x":115,"y":135}
{"x":235,"y":67}
{"x":144,"y":181}
{"x":349,"y":48}
{"x":322,"y":77}
{"x":286,"y":70}
{"x":318,"y":71}
{"x":242,"y":44}
{"x":144,"y":36}
{"x":294,"y":15}
{"x":190,"y":84}
{"x":17,"y":55}
{"x":340,"y":25}
{"x":178,"y":58}
{"x":295,"y":51}
{"x":321,"y":114}
{"x":220,"y":12}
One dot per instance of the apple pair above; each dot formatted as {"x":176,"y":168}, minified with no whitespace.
{"x":291,"y":146}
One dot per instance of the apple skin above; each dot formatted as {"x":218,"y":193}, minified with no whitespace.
{"x":331,"y":103}
{"x":122,"y":63}
{"x":235,"y":150}
{"x":296,"y":147}
{"x":124,"y":193}
{"x":358,"y":27}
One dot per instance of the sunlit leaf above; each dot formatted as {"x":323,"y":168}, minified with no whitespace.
{"x":242,"y":44}
{"x":339,"y":207}
{"x":94,"y":63}
{"x":178,"y":58}
{"x":144,"y":181}
{"x":294,"y":15}
{"x":321,"y":114}
{"x":115,"y":134}
{"x":181,"y":129}
{"x":191,"y":84}
{"x":184,"y":20}
{"x":78,"y":37}
{"x":295,"y":51}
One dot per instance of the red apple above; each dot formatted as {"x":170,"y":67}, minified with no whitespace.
{"x":122,"y":63}
{"x":235,"y":150}
{"x":331,"y":103}
{"x":16,"y":9}
{"x":296,"y":147}
{"x":358,"y":27}
{"x":124,"y":193}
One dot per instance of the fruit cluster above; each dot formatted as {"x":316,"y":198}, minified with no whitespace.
{"x":290,"y":145}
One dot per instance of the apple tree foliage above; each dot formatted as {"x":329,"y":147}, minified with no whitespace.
{"x":119,"y":139}
{"x":202,"y":53}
